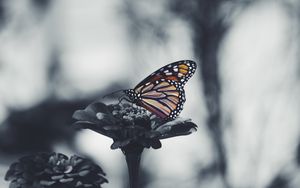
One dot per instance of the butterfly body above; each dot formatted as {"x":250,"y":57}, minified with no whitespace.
{"x":162,"y":92}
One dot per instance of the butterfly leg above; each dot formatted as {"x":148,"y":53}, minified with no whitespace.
{"x":122,"y":98}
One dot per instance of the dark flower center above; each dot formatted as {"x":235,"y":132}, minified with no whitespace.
{"x":131,"y":115}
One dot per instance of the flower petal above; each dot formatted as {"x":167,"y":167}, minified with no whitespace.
{"x":177,"y":127}
{"x":97,"y":107}
{"x":112,"y":127}
{"x":66,"y":180}
{"x":83,"y":115}
{"x":152,"y":134}
{"x":89,"y":113}
{"x":46,"y":183}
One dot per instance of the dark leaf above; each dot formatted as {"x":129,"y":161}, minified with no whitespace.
{"x":156,"y":144}
{"x":119,"y":144}
{"x":176,"y":128}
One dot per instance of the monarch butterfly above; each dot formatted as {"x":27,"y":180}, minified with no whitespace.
{"x":162,"y":92}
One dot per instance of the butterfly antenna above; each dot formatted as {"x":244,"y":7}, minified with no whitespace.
{"x":113,"y":93}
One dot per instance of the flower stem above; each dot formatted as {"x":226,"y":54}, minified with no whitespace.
{"x":133,"y":157}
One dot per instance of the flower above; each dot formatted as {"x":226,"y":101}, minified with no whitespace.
{"x":130,"y":126}
{"x":54,"y":170}
{"x":132,"y":129}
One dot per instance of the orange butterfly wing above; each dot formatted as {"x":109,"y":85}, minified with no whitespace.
{"x":162,"y":92}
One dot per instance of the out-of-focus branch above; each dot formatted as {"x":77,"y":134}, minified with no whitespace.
{"x":2,"y":13}
{"x":209,"y":30}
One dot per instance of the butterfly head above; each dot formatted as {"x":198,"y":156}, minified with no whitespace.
{"x":131,"y":94}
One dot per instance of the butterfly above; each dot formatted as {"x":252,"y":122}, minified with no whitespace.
{"x":162,"y":92}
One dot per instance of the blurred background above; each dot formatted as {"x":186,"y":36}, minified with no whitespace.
{"x":58,"y":56}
